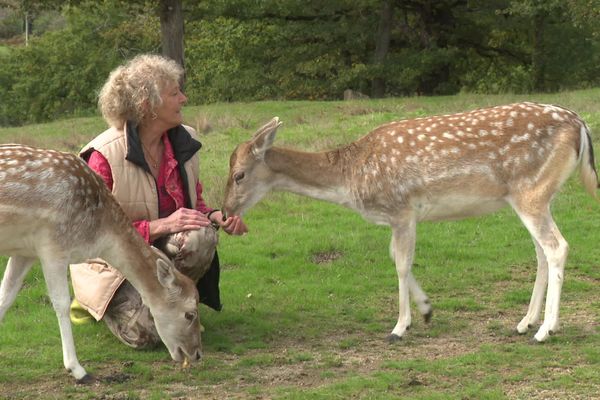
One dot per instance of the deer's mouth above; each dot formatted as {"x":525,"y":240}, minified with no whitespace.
{"x":187,"y":357}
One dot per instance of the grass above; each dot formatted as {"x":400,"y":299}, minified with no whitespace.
{"x":310,"y":293}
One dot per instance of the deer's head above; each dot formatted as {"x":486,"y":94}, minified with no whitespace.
{"x":249,"y":177}
{"x":176,"y":315}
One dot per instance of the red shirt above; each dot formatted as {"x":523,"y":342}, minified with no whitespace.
{"x":169,"y":185}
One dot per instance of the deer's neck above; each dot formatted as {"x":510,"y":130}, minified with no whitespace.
{"x":317,"y":175}
{"x":129,"y":254}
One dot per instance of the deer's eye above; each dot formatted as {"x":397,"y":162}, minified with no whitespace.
{"x":238,"y":176}
{"x":190,"y":316}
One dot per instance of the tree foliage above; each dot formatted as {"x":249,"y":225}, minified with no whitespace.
{"x":60,"y":73}
{"x":240,"y":50}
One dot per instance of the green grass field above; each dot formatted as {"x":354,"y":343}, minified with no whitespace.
{"x":310,"y":294}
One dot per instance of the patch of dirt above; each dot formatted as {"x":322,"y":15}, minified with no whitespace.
{"x":118,"y":377}
{"x":303,"y":364}
{"x":368,"y":355}
{"x":326,"y":257}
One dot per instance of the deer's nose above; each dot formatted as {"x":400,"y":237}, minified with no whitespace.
{"x":197,"y":356}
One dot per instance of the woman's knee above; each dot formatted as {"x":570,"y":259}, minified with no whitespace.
{"x":191,"y":251}
{"x":133,"y":326}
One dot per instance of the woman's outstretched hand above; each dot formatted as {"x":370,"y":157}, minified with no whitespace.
{"x":233,"y":225}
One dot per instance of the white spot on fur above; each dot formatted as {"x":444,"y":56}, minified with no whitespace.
{"x":518,"y":139}
{"x":551,"y":109}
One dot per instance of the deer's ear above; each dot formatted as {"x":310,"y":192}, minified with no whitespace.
{"x":165,"y":274}
{"x":264,"y":137}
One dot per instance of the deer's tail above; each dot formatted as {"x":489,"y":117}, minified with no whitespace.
{"x":588,"y":173}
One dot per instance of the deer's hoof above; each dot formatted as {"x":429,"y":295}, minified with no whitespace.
{"x":86,"y":380}
{"x":393,"y":338}
{"x":427,"y":316}
{"x":535,"y":341}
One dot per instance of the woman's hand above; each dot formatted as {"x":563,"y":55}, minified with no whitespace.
{"x":233,"y":225}
{"x":183,"y":219}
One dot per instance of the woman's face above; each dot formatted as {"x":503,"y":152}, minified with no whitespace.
{"x":169,"y":112}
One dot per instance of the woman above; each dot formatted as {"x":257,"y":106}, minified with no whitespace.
{"x":149,"y":161}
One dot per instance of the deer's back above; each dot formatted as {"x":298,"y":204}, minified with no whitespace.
{"x":48,"y":197}
{"x":459,"y":158}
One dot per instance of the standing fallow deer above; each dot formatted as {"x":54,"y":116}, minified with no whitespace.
{"x":53,"y":207}
{"x":437,"y":168}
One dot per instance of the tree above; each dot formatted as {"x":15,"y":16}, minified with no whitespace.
{"x":245,"y":50}
{"x":555,"y":39}
{"x":28,"y":10}
{"x":382,"y":45}
{"x":170,"y":13}
{"x":172,"y":29}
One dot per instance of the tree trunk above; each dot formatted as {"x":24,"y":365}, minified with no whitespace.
{"x":171,"y":26}
{"x":27,"y":29}
{"x":537,"y":54}
{"x":382,"y":45}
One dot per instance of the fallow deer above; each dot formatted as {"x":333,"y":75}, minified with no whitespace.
{"x":53,"y":207}
{"x":437,"y":168}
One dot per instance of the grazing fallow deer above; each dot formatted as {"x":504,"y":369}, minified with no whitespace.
{"x":53,"y":207}
{"x":437,"y":168}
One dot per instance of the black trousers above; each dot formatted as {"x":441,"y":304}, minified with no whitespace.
{"x":208,"y":285}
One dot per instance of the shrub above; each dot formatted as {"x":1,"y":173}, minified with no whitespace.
{"x":60,"y":73}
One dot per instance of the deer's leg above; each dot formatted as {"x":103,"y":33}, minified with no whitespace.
{"x":403,"y":248}
{"x":537,"y":297}
{"x":420,"y":297}
{"x":16,"y":270}
{"x":555,"y":249}
{"x":55,"y":274}
{"x":417,"y":294}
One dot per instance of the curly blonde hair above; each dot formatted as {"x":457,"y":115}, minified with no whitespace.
{"x":132,"y":91}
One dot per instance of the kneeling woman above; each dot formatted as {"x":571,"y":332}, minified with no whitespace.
{"x":149,"y":161}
